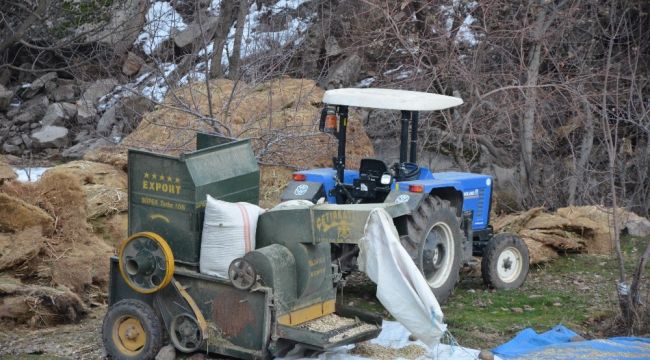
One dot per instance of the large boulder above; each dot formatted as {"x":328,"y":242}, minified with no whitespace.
{"x":80,"y":149}
{"x":64,"y":93}
{"x":132,"y":64}
{"x":58,"y":113}
{"x":38,"y":85}
{"x":194,"y":33}
{"x":127,"y":20}
{"x":344,"y":73}
{"x":97,"y":89}
{"x":51,"y":137}
{"x":31,"y":111}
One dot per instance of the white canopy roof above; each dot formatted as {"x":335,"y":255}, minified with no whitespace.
{"x":390,"y":99}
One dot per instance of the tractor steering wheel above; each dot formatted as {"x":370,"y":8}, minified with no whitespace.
{"x":406,"y":171}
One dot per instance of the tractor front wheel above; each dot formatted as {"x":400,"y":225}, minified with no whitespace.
{"x":132,"y":331}
{"x":433,"y":239}
{"x":505,"y":262}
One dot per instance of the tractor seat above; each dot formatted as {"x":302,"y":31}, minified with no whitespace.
{"x":368,"y":187}
{"x":372,"y":170}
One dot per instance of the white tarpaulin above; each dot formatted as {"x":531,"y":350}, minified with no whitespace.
{"x":401,"y":288}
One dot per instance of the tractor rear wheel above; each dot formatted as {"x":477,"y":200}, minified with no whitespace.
{"x":433,"y":239}
{"x":132,"y":331}
{"x":505,"y":262}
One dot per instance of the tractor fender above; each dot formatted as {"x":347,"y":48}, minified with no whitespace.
{"x":410,"y":199}
{"x":303,"y":190}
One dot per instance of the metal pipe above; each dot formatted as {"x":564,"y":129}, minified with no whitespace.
{"x":414,"y":136}
{"x":340,"y":160}
{"x":404,"y":136}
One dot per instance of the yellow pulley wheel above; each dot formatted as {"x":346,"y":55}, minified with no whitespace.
{"x":146,"y":262}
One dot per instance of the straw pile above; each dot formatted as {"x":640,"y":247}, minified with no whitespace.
{"x":53,"y":267}
{"x":584,"y":229}
{"x":279,"y":116}
{"x":6,"y":172}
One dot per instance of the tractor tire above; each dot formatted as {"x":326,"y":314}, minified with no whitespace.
{"x":132,"y":331}
{"x":433,"y":239}
{"x":505,"y":262}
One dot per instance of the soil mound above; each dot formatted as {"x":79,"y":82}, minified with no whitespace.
{"x":585,"y":229}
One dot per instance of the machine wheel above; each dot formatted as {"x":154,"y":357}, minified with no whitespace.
{"x":242,"y":274}
{"x":185,"y":333}
{"x":505,"y":262}
{"x":132,"y":331}
{"x":434,"y":241}
{"x":146,"y":262}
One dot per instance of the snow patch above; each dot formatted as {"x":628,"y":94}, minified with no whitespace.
{"x":29,"y":174}
{"x":366,"y":82}
{"x":161,"y":21}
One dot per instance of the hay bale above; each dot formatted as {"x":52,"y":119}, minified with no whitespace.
{"x":114,"y":155}
{"x":103,"y":201}
{"x":37,"y":305}
{"x":6,"y":172}
{"x":20,"y":248}
{"x":538,"y":252}
{"x":18,"y":215}
{"x":93,"y":173}
{"x":592,"y":223}
{"x":112,"y":229}
{"x":515,"y":222}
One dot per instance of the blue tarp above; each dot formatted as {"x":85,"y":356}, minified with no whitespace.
{"x":556,"y":344}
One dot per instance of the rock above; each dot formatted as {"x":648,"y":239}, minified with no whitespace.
{"x":132,"y":108}
{"x":638,"y":226}
{"x":86,"y":112}
{"x":5,"y":98}
{"x":167,"y":352}
{"x":10,"y":149}
{"x":412,"y":338}
{"x":106,"y":122}
{"x":15,"y":140}
{"x":192,"y":33}
{"x":31,"y":111}
{"x":344,"y":73}
{"x":132,"y":64}
{"x":80,"y":149}
{"x":26,"y":140}
{"x":38,"y":85}
{"x":486,"y":355}
{"x":98,"y":89}
{"x":332,"y":47}
{"x":5,"y":76}
{"x":517,"y":310}
{"x":127,"y":20}
{"x":51,"y":137}
{"x":64,"y":93}
{"x":55,"y":115}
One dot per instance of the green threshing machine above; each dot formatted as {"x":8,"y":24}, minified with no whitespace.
{"x":273,"y":294}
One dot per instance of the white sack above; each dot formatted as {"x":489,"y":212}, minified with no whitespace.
{"x":228,"y":233}
{"x":401,"y":288}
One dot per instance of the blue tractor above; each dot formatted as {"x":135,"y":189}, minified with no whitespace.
{"x":449,"y":220}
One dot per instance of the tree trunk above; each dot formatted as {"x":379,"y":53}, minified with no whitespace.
{"x":235,"y":58}
{"x":220,"y":37}
{"x":585,"y":153}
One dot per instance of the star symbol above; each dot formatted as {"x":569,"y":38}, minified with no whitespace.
{"x":169,"y":178}
{"x":178,"y":180}
{"x":153,"y":176}
{"x":146,"y":175}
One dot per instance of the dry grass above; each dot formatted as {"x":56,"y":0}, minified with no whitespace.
{"x":374,"y":351}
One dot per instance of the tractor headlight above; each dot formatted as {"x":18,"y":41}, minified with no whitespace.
{"x":385,"y":179}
